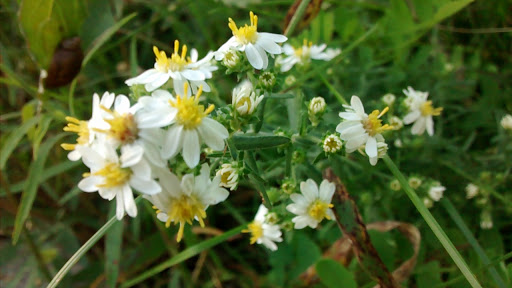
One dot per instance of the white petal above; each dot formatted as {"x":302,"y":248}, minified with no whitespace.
{"x":131,"y":155}
{"x":254,"y":57}
{"x":350,"y":116}
{"x":269,"y":45}
{"x":309,"y":189}
{"x":274,"y":37}
{"x":430,"y":125}
{"x":213,"y":133}
{"x":371,"y":147}
{"x":122,"y":104}
{"x":419,"y":126}
{"x":89,"y":184}
{"x":263,"y":56}
{"x":157,"y":83}
{"x":129,"y":202}
{"x":145,"y":186}
{"x":119,"y":206}
{"x":173,"y":141}
{"x":326,"y":191}
{"x":356,"y":104}
{"x":193,"y":75}
{"x":146,"y":77}
{"x":411,"y":117}
{"x":191,"y":148}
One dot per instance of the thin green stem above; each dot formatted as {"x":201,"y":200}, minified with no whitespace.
{"x":337,"y":94}
{"x":82,"y":250}
{"x":299,"y":13}
{"x":432,"y":223}
{"x":184,"y":255}
{"x":472,"y":241}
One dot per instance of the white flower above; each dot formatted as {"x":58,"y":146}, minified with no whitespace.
{"x":486,"y":220}
{"x":244,"y":98}
{"x":191,"y":128}
{"x":228,"y":175}
{"x":332,"y":144}
{"x":506,"y":122}
{"x":183,"y":202}
{"x":313,"y":205}
{"x":255,"y":44}
{"x":471,"y":190}
{"x":395,"y":185}
{"x":114,"y":177}
{"x":180,"y":68}
{"x":316,"y":105}
{"x":436,"y":192}
{"x":396,"y":123}
{"x":85,"y":129}
{"x":135,"y":126}
{"x":382,"y":150}
{"x":414,"y":182}
{"x":263,"y":232}
{"x":420,"y":112}
{"x":302,"y":55}
{"x":389,"y":99}
{"x":362,"y":130}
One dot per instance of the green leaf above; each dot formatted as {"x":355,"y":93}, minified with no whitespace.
{"x":29,"y":192}
{"x":14,"y":138}
{"x":40,"y":132}
{"x":250,"y":142}
{"x":45,"y":23}
{"x":113,"y":242}
{"x":334,"y":275}
{"x":430,"y":275}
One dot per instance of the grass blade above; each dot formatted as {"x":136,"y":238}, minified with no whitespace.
{"x":184,"y":255}
{"x":14,"y":138}
{"x":434,"y":226}
{"x":113,"y":243}
{"x":32,"y":183}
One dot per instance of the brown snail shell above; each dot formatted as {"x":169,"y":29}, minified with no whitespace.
{"x":66,"y":63}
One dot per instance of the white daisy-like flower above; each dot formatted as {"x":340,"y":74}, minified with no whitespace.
{"x":114,"y":177}
{"x":255,"y":44}
{"x":332,"y":144}
{"x":471,"y":190}
{"x":136,"y":126}
{"x":85,"y":129}
{"x":313,"y":205}
{"x":506,"y":122}
{"x":182,"y":202}
{"x":228,"y":173}
{"x":190,"y":128}
{"x":180,"y":68}
{"x":244,"y":98}
{"x":389,"y":99}
{"x":302,"y":55}
{"x":420,"y":112}
{"x":263,"y":232}
{"x":362,"y":130}
{"x":436,"y":192}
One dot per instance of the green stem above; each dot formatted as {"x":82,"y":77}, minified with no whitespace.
{"x":432,"y":223}
{"x":299,"y":13}
{"x":82,"y":250}
{"x":338,"y":96}
{"x":472,"y":241}
{"x":184,"y":255}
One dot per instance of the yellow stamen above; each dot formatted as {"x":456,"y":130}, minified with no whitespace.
{"x":303,"y":51}
{"x":176,"y":63}
{"x":190,"y":113}
{"x":76,"y":126}
{"x":373,"y":125}
{"x":114,"y":175}
{"x":256,"y":230}
{"x":162,"y":62}
{"x":246,"y":34}
{"x":184,"y":210}
{"x":318,"y":210}
{"x":122,"y":126}
{"x":427,"y":109}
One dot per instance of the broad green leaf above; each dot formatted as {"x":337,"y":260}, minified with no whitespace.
{"x":252,"y":142}
{"x":113,"y":243}
{"x":334,"y":275}
{"x":45,"y":23}
{"x":30,"y":190}
{"x":14,"y":138}
{"x":430,"y":275}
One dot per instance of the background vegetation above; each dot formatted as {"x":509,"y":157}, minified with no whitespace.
{"x":459,"y":51}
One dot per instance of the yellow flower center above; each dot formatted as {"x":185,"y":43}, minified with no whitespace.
{"x":184,"y":210}
{"x":77,"y":126}
{"x":373,"y":125}
{"x":318,"y":210}
{"x":190,"y":113}
{"x":241,"y":102}
{"x":246,"y":34}
{"x":256,"y":230}
{"x":427,"y":109}
{"x":224,"y":177}
{"x":306,"y":46}
{"x":176,"y":63}
{"x":122,"y":126}
{"x":332,"y":143}
{"x":114,"y":175}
